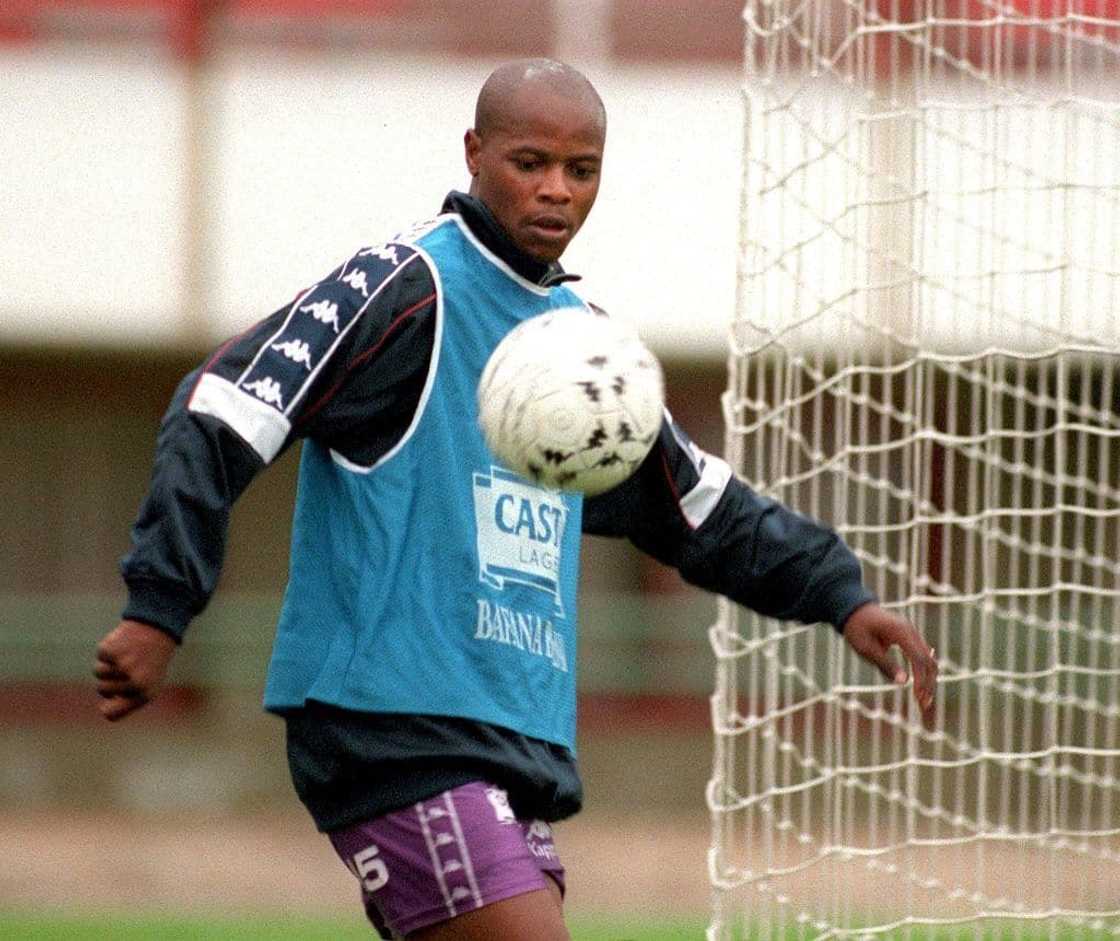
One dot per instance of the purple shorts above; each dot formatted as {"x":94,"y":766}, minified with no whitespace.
{"x":444,"y":856}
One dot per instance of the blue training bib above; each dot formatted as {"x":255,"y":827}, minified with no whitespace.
{"x":437,"y":581}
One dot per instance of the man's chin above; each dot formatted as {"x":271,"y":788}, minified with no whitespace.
{"x":544,"y":248}
{"x":547,"y":258}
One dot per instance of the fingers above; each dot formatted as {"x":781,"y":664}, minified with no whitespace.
{"x":873,"y":632}
{"x":122,"y":692}
{"x":885,"y":662}
{"x":119,"y":693}
{"x":108,"y":689}
{"x":117,"y":707}
{"x":112,"y":678}
{"x":871,"y":642}
{"x":104,"y":670}
{"x":924,"y":667}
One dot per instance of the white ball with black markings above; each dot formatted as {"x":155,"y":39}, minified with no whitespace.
{"x":572,"y":400}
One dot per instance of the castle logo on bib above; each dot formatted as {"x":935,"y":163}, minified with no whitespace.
{"x":520,"y":532}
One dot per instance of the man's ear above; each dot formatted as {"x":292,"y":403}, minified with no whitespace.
{"x":472,"y":146}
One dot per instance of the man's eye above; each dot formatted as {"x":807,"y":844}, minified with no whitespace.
{"x":583,"y":173}
{"x":527,"y":164}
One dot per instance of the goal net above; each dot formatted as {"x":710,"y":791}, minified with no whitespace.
{"x":926,"y":355}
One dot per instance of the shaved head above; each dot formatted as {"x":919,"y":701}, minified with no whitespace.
{"x":536,"y":151}
{"x":500,"y":100}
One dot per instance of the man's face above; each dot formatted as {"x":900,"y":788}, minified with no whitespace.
{"x":537,"y":169}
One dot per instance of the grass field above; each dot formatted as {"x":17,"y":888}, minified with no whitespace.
{"x":31,"y":927}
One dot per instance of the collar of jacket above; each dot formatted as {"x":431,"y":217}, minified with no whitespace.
{"x":490,"y":233}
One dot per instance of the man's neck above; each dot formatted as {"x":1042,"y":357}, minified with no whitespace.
{"x":491,"y":234}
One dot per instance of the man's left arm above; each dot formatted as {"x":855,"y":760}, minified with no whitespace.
{"x":687,"y":509}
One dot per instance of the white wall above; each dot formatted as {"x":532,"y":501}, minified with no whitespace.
{"x":1014,"y":230}
{"x":310,"y":158}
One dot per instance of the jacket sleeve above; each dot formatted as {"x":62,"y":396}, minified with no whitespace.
{"x":242,"y":408}
{"x":687,"y":509}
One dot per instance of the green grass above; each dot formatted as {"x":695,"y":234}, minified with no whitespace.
{"x":113,"y":927}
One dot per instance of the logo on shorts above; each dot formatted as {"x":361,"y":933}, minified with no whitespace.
{"x":499,"y":800}
{"x":540,"y":830}
{"x":539,"y":840}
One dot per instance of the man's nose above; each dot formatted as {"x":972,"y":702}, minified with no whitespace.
{"x":554,"y":186}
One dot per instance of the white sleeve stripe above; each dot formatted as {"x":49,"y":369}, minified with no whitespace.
{"x":262,"y":427}
{"x":698,"y":503}
{"x":294,"y":309}
{"x":345,"y":330}
{"x":272,"y":339}
{"x":342,"y":270}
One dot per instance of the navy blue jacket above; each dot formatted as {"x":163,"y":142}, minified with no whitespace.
{"x":682,"y":507}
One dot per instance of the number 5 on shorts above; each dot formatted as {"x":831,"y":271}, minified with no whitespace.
{"x":371,"y":870}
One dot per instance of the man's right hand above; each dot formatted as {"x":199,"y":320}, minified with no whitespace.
{"x":132,"y":661}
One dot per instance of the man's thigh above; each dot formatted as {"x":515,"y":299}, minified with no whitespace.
{"x":537,"y":915}
{"x":459,"y":859}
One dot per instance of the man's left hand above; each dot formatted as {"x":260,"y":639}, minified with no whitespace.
{"x":872,"y":631}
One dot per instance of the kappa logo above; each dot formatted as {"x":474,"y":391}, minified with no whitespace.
{"x":326,"y":312}
{"x":539,"y":840}
{"x":520,"y":533}
{"x":540,"y":830}
{"x":297,"y":351}
{"x":357,"y":280}
{"x":267,"y":390}
{"x":499,"y":800}
{"x":384,"y":252}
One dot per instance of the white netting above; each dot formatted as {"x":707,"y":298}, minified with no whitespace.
{"x":926,"y":354}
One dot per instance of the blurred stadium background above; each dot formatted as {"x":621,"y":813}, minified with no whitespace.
{"x":171,"y":170}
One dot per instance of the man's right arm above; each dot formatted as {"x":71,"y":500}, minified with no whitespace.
{"x":289,"y":376}
{"x":201,"y":467}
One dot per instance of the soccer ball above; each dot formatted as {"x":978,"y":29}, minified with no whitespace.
{"x":571,"y":400}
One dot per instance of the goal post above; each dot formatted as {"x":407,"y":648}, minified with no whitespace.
{"x":926,"y":355}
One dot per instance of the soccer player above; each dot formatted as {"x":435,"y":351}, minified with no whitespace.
{"x":425,"y":679}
